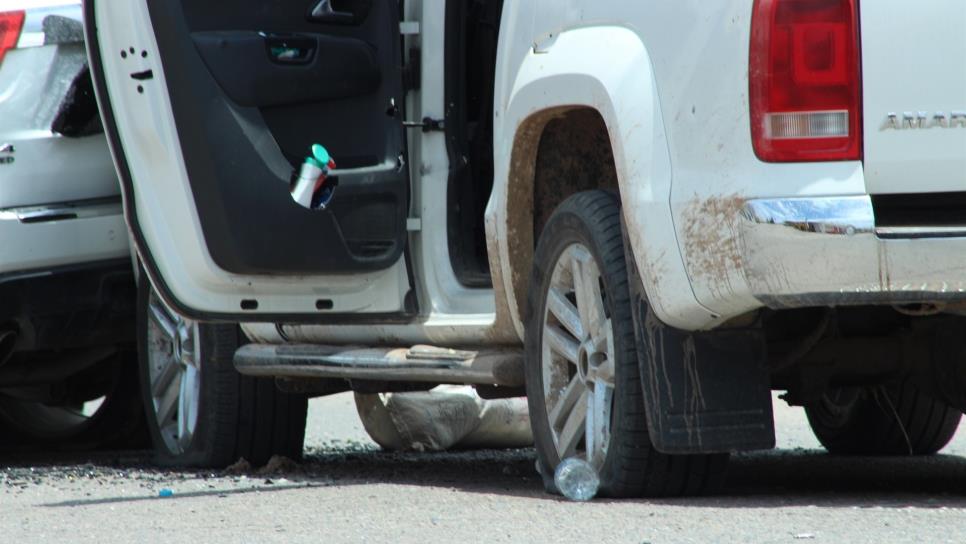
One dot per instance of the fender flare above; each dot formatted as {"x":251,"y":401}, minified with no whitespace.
{"x":568,"y":73}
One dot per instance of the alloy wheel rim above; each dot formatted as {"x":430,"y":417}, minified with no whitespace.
{"x":577,"y":358}
{"x":174,"y":374}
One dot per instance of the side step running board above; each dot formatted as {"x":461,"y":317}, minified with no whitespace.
{"x":416,"y":364}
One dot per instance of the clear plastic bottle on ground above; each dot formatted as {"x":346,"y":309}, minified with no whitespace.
{"x":576,"y":479}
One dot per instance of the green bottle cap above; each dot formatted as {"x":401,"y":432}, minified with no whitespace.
{"x":321,"y":154}
{"x":320,"y":157}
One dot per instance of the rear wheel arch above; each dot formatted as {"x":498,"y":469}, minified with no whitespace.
{"x":557,"y":153}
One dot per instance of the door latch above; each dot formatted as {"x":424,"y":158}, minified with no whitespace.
{"x":428,"y":124}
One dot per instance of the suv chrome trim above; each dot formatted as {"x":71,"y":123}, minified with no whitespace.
{"x":952,"y":231}
{"x":60,"y":212}
{"x":800,"y":252}
{"x":834,"y":216}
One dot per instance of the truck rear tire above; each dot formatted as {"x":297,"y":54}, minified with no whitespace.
{"x":583,"y":380}
{"x":200,"y":411}
{"x":895,"y":419}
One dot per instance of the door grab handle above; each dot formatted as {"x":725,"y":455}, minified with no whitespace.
{"x":388,"y":166}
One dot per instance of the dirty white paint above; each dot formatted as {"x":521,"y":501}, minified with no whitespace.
{"x":569,"y":73}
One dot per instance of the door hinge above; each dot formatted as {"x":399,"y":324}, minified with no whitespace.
{"x":427,"y":124}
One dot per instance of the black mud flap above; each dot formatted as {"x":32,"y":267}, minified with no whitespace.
{"x":705,"y":392}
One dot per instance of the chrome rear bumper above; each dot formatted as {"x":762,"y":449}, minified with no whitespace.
{"x":804,"y":252}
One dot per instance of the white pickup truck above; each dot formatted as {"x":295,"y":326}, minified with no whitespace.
{"x":648,"y":214}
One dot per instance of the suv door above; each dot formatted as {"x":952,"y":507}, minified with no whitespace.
{"x":210,"y":108}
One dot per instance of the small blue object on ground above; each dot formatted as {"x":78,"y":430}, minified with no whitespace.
{"x":165,"y":493}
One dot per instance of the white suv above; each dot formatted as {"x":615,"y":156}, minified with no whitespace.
{"x":649,"y":214}
{"x":66,"y":281}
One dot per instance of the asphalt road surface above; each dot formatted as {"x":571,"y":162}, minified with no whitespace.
{"x":346,"y":490}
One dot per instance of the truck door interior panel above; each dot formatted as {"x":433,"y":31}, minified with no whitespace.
{"x":253,"y":85}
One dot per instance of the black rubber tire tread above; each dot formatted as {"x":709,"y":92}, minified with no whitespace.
{"x":871,"y":427}
{"x":239,"y":416}
{"x":633,"y":467}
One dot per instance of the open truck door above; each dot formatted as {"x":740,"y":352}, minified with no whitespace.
{"x":210,"y":109}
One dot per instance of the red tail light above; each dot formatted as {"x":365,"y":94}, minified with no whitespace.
{"x":804,"y":71}
{"x":11,"y":23}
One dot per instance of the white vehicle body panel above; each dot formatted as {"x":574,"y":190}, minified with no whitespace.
{"x":919,"y":75}
{"x":680,"y":135}
{"x":47,"y":167}
{"x":96,"y":233}
{"x":622,"y":90}
{"x":59,"y":202}
{"x":11,"y":5}
{"x":670,"y":81}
